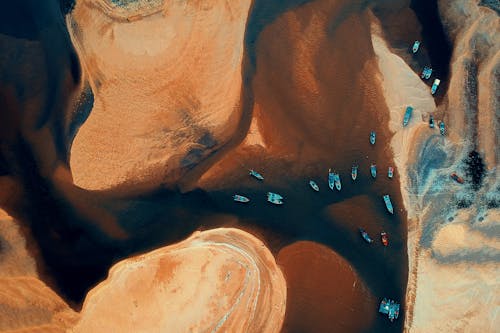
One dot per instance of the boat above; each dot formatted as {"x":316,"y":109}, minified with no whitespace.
{"x":388,"y":203}
{"x":457,"y":178}
{"x":390,"y":172}
{"x":313,"y":185}
{"x":365,"y":235}
{"x":354,"y":172}
{"x":426,"y":73}
{"x":435,"y":86}
{"x":274,"y":198}
{"x":373,"y":170}
{"x":240,"y":198}
{"x":390,"y":308}
{"x":338,"y":185}
{"x":415,"y":47}
{"x":373,"y":137}
{"x":257,"y":175}
{"x":431,"y":121}
{"x":384,"y":238}
{"x":441,"y":128}
{"x":331,"y":179}
{"x":407,"y":116}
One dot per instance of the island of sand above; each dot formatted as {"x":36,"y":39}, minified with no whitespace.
{"x":219,"y":280}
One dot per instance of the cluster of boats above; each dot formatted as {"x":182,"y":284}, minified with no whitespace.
{"x":272,"y":197}
{"x":383,"y":237}
{"x":427,"y":71}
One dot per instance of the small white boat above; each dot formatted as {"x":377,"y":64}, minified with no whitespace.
{"x":388,"y":204}
{"x":240,"y":198}
{"x":435,"y":86}
{"x":274,"y":198}
{"x":338,"y":185}
{"x":257,"y":175}
{"x":426,"y":73}
{"x":373,"y":170}
{"x":390,"y":172}
{"x":373,"y":137}
{"x":313,"y":185}
{"x":416,"y":46}
{"x":331,"y":179}
{"x":354,"y":172}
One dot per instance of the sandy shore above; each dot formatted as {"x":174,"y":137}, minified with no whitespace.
{"x":222,"y":279}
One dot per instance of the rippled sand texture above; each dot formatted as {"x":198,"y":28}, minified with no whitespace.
{"x":166,"y":79}
{"x":453,"y":256}
{"x":26,"y":303}
{"x":219,"y":280}
{"x":325,"y":293}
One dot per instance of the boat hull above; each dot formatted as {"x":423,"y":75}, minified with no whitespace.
{"x":388,"y":204}
{"x":314,"y":186}
{"x":373,"y":170}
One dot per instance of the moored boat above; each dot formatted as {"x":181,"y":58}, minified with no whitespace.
{"x":407,"y":116}
{"x":442,"y":129}
{"x":426,"y":73}
{"x":274,"y":198}
{"x":240,"y":198}
{"x":431,"y":121}
{"x":457,"y":178}
{"x":435,"y":86}
{"x":256,"y":175}
{"x":338,"y":185}
{"x":416,"y":46}
{"x":373,"y":137}
{"x":354,"y":172}
{"x":390,"y":308}
{"x":331,"y":179}
{"x":384,"y":238}
{"x":390,"y":172}
{"x":313,"y":185}
{"x":365,"y":235}
{"x":388,"y":204}
{"x":373,"y":170}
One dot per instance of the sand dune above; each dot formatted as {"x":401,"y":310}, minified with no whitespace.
{"x":219,"y":280}
{"x":166,"y":84}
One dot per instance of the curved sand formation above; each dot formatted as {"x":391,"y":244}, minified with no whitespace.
{"x":166,"y":85}
{"x":325,"y":293}
{"x":453,"y":255}
{"x":222,"y":280}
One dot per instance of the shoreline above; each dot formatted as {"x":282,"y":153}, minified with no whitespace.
{"x":391,"y":64}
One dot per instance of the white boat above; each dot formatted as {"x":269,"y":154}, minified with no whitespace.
{"x":354,"y":172}
{"x":274,"y":198}
{"x":240,"y":198}
{"x":313,"y":185}
{"x":331,"y":179}
{"x":390,"y":172}
{"x":435,"y":86}
{"x":388,"y":204}
{"x":416,"y":46}
{"x":373,"y":137}
{"x":426,"y":73}
{"x":257,"y":175}
{"x":338,"y":185}
{"x":373,"y":170}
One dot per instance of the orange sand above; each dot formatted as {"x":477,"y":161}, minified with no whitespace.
{"x":167,"y":88}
